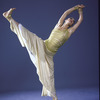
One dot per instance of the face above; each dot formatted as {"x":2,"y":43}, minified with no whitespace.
{"x":69,"y":21}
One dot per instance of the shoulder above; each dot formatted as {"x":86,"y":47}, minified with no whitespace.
{"x":57,"y":26}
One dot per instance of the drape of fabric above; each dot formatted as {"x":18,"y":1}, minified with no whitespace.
{"x":41,"y":57}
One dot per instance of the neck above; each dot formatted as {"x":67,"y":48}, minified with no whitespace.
{"x":65,"y":26}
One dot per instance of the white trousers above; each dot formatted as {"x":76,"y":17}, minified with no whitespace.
{"x":41,"y":57}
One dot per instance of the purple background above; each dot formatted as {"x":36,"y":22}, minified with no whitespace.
{"x":76,"y":63}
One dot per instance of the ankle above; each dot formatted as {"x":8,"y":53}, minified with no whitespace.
{"x":55,"y":99}
{"x":9,"y":18}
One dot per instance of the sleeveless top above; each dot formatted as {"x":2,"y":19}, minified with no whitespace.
{"x":56,"y":39}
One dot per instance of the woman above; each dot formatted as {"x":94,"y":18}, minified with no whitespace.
{"x":41,"y":52}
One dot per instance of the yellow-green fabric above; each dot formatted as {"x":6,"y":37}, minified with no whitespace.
{"x":56,"y":39}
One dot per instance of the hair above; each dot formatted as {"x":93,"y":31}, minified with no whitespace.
{"x":72,"y":18}
{"x":73,"y":21}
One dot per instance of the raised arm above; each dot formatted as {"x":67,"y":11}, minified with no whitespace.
{"x":72,"y":29}
{"x":66,"y":13}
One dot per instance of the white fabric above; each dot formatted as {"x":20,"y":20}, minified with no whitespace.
{"x":41,"y":57}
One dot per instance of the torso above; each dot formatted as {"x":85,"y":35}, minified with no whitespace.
{"x":56,"y":39}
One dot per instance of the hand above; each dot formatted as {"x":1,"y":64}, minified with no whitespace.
{"x":80,"y":9}
{"x":79,"y":6}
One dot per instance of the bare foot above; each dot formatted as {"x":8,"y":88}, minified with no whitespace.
{"x":55,"y":99}
{"x":8,"y":13}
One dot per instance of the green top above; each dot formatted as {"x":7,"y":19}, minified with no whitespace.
{"x":56,"y":39}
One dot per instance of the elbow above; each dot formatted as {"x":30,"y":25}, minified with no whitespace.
{"x":81,"y":18}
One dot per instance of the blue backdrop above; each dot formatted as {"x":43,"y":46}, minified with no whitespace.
{"x":76,"y":63}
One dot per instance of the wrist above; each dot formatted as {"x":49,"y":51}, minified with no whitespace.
{"x":80,"y":11}
{"x":76,"y":7}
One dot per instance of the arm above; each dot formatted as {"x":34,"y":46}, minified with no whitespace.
{"x":72,"y":29}
{"x":65,"y":14}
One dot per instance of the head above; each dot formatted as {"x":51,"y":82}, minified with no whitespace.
{"x":69,"y":22}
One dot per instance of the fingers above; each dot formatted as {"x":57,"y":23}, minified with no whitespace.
{"x":80,"y":6}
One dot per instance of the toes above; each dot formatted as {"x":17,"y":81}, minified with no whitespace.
{"x":9,"y":12}
{"x":12,"y":9}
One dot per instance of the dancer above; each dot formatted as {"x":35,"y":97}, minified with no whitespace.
{"x":41,"y":52}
